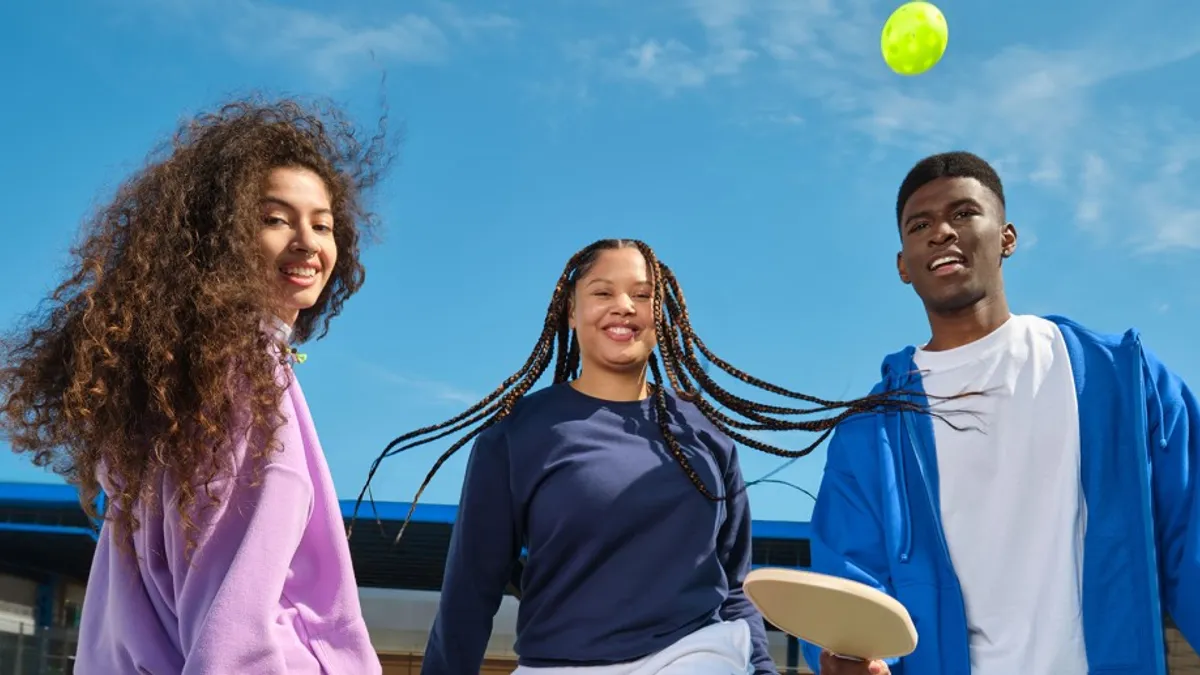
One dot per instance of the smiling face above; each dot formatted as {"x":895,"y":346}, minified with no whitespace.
{"x":612,"y":312}
{"x":296,"y":235}
{"x":953,"y":238}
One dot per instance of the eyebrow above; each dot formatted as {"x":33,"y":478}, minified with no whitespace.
{"x":953,"y":205}
{"x":280,"y":202}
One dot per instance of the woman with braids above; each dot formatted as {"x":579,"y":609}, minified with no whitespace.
{"x":161,"y":373}
{"x":634,"y":567}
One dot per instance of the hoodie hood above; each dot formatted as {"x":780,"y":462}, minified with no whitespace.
{"x":897,"y":369}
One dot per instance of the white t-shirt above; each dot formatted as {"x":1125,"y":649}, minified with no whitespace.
{"x":1011,"y":499}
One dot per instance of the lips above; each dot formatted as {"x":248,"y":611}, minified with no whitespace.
{"x":300,"y":274}
{"x":946,"y":260}
{"x":303,"y":271}
{"x":621,"y":332}
{"x":947,"y":263}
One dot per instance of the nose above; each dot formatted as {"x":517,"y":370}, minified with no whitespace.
{"x":306,"y":240}
{"x":624,"y":305}
{"x":943,"y":233}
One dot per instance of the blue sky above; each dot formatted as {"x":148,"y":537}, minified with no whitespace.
{"x":756,"y":145}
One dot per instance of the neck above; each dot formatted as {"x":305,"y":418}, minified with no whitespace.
{"x":613,"y":386}
{"x":962,"y":327}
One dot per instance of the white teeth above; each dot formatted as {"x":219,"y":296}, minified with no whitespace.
{"x":620,"y":330}
{"x":300,"y":271}
{"x":944,"y":260}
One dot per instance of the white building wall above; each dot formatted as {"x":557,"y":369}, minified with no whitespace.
{"x":17,"y":599}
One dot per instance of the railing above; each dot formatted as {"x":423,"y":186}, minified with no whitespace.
{"x":47,"y":651}
{"x":16,"y":608}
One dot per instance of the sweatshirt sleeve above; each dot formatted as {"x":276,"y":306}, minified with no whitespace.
{"x":847,"y":537}
{"x":1173,"y":412}
{"x":735,"y":549}
{"x":229,"y":588}
{"x":483,"y":550}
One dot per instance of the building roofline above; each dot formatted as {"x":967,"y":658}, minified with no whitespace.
{"x":52,"y":495}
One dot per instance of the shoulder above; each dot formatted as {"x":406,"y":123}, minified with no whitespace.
{"x":686,"y":412}
{"x":535,"y":407}
{"x":857,"y":439}
{"x":860,"y":441}
{"x":535,"y":411}
{"x":1036,"y":325}
{"x":681,"y":409}
{"x":689,"y":417}
{"x":1051,"y":346}
{"x":1078,"y":334}
{"x":280,"y":480}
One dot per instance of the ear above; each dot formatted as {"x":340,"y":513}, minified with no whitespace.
{"x":571,"y":310}
{"x":902,"y":269}
{"x":1008,"y":240}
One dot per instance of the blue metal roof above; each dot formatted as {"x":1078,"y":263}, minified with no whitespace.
{"x":43,"y":531}
{"x":35,"y":528}
{"x":38,"y":494}
{"x":780,"y":529}
{"x":62,"y":495}
{"x":424,"y":513}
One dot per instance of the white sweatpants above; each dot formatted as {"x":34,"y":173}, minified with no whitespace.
{"x":719,"y":649}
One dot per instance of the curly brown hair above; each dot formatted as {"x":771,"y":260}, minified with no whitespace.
{"x":126,"y":369}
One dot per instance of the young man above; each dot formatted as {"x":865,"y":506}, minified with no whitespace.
{"x":1051,"y":530}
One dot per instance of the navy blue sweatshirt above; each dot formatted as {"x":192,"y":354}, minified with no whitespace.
{"x":625,"y":556}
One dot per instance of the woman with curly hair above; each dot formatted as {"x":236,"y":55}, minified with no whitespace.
{"x":161,"y":373}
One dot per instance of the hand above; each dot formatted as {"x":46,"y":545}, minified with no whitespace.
{"x":833,"y":665}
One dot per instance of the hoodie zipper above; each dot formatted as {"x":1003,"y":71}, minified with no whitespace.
{"x":905,"y":508}
{"x":935,"y":512}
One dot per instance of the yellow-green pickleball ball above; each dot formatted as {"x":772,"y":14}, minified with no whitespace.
{"x":914,"y":38}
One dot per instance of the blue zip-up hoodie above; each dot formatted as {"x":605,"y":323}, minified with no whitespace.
{"x":878,"y":520}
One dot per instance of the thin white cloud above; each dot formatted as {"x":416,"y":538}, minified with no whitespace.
{"x":1027,"y":239}
{"x":435,"y":389}
{"x":440,"y":391}
{"x":332,"y":46}
{"x":470,"y":25}
{"x":785,"y":118}
{"x":721,"y":19}
{"x":767,"y":119}
{"x":1048,"y":173}
{"x":1095,"y":183}
{"x":670,"y":66}
{"x":1053,"y":118}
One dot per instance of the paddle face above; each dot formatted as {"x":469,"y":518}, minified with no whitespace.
{"x":845,"y":617}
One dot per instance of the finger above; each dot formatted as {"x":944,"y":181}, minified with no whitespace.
{"x":832,"y":665}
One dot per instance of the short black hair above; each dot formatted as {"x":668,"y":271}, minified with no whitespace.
{"x":958,"y":164}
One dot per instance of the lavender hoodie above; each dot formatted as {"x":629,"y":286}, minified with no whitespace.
{"x":269,"y":588}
